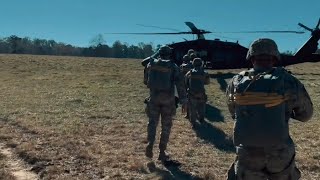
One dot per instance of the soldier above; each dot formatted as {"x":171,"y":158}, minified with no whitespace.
{"x":190,"y":51}
{"x":187,"y":61}
{"x":195,"y":80}
{"x":186,"y":66}
{"x":161,"y":76}
{"x":261,"y":101}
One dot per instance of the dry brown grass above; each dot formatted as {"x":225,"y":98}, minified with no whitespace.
{"x":83,"y":118}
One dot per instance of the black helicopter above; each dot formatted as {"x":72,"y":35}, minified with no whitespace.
{"x":219,"y":54}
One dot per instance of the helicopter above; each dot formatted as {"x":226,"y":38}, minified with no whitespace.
{"x":218,"y":54}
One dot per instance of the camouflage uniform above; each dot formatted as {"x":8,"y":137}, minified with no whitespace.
{"x":197,"y":98}
{"x":276,"y":161}
{"x":163,"y":103}
{"x":187,"y":61}
{"x":186,"y":66}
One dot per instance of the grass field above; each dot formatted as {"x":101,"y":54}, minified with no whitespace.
{"x":83,"y":118}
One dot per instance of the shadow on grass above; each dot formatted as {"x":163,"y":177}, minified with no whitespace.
{"x":213,"y":114}
{"x":173,"y":171}
{"x":214,"y":135}
{"x":221,"y":79}
{"x":163,"y":173}
{"x":177,"y":173}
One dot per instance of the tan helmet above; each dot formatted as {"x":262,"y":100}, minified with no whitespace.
{"x":190,"y":51}
{"x":165,"y":51}
{"x":197,"y":62}
{"x":192,"y":56}
{"x":263,"y":46}
{"x":185,"y":58}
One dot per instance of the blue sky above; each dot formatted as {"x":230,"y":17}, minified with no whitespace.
{"x":76,"y":22}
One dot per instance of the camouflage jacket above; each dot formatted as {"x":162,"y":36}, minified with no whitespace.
{"x":178,"y":83}
{"x":300,"y":107}
{"x":206,"y":77}
{"x":185,"y":67}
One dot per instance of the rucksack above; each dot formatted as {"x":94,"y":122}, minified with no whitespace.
{"x":186,"y":67}
{"x":196,"y":81}
{"x":260,"y":109}
{"x":160,"y":75}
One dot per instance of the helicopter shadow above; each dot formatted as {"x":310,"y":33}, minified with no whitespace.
{"x":206,"y":131}
{"x":221,"y":79}
{"x":213,"y":114}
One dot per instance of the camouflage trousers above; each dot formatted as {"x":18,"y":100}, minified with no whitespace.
{"x":197,"y":107}
{"x":160,"y":105}
{"x":276,"y":163}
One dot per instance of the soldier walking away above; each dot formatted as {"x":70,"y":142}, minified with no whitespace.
{"x":161,"y":75}
{"x":195,"y":80}
{"x":261,"y":101}
{"x":185,"y":67}
{"x":187,"y":61}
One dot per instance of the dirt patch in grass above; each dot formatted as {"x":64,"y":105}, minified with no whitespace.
{"x":13,"y":167}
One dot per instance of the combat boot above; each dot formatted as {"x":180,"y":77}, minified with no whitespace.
{"x":149,"y":152}
{"x":163,"y":156}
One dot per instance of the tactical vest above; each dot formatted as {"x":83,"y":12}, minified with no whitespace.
{"x":160,"y":75}
{"x":185,"y":67}
{"x":260,"y":109}
{"x":196,"y":81}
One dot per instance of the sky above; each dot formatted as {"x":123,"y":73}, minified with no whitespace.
{"x":77,"y":22}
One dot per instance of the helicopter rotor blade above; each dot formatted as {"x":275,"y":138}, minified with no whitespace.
{"x":158,"y":27}
{"x":295,"y":32}
{"x":192,"y":26}
{"x":318,"y":25}
{"x":173,"y":33}
{"x":305,"y":27}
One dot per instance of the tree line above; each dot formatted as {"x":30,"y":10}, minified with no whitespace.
{"x":98,"y":48}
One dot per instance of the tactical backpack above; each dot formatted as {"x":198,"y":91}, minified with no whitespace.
{"x":197,"y":78}
{"x":186,"y":67}
{"x":160,"y":75}
{"x":260,"y":108}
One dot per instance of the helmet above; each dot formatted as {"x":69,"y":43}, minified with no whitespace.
{"x":192,"y":56}
{"x":165,"y":51}
{"x":190,"y":51}
{"x":197,"y":62}
{"x":263,"y":46}
{"x":186,"y":58}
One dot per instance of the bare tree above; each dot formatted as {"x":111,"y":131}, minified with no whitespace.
{"x":97,"y":40}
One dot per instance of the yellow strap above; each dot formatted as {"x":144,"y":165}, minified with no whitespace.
{"x":255,"y":98}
